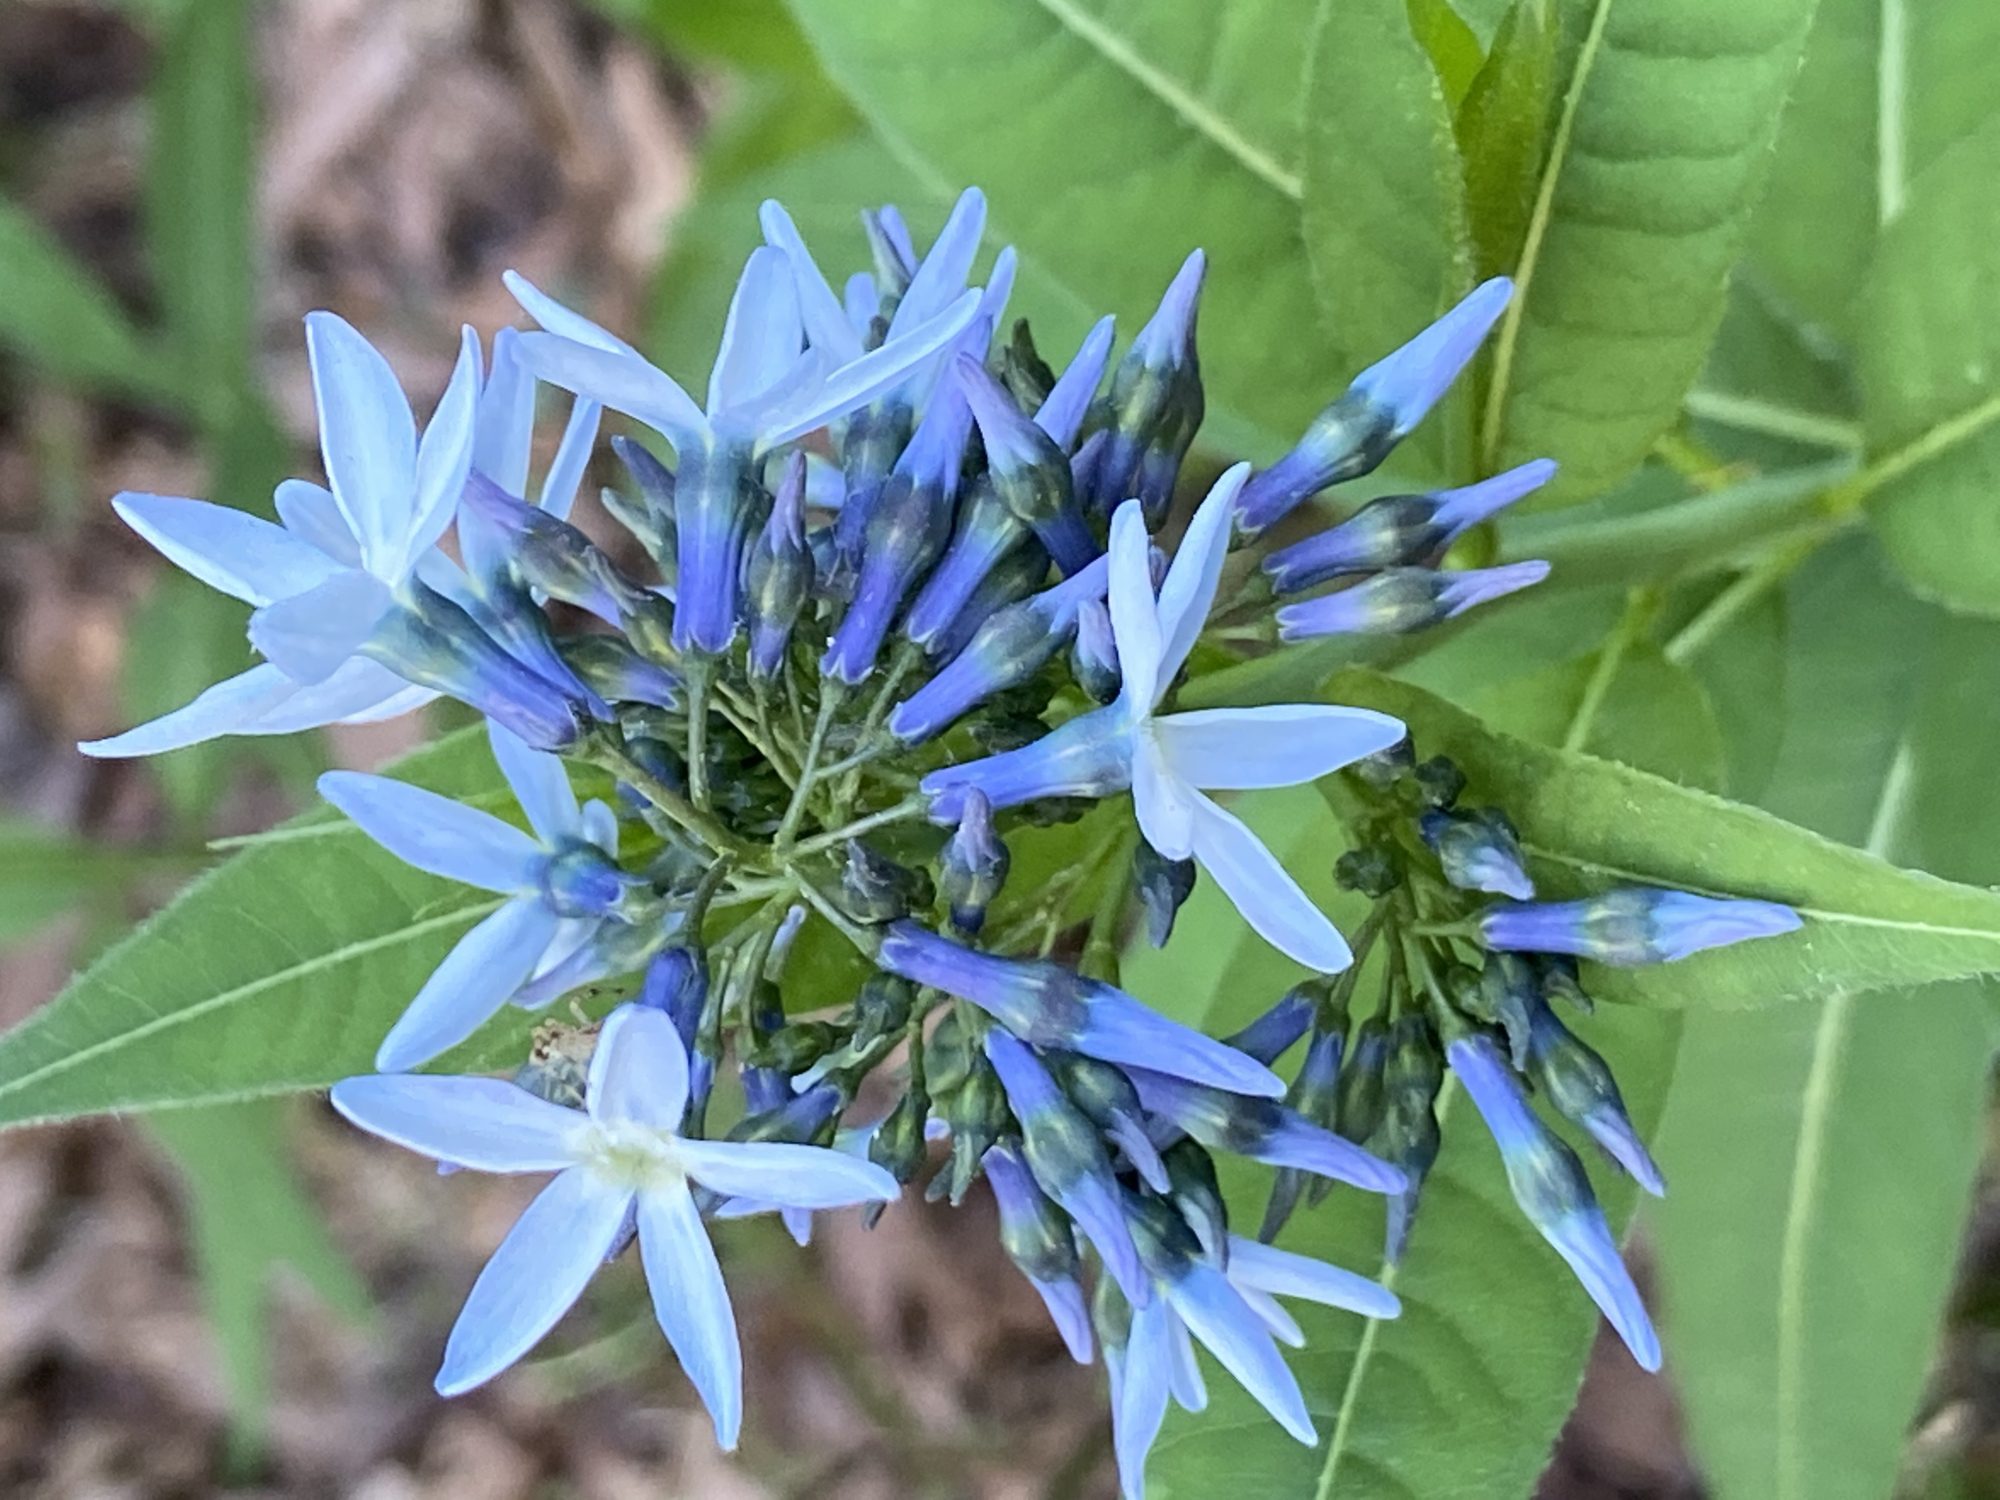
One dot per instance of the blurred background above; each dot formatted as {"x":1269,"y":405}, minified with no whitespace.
{"x":251,"y":1299}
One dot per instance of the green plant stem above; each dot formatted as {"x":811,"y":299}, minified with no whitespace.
{"x":612,"y":757}
{"x":902,"y":812}
{"x":699,"y":676}
{"x":795,"y":810}
{"x":1100,"y":948}
{"x":1640,"y":607}
{"x":864,"y":941}
{"x":746,"y":726}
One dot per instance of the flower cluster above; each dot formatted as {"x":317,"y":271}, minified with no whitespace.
{"x":903,"y":594}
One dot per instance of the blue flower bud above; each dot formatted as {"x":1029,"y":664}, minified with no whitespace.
{"x":1636,"y":925}
{"x":676,"y":982}
{"x":898,"y":1144}
{"x":978,"y":1115}
{"x":1478,"y":851}
{"x":1037,"y":1239}
{"x":779,"y":574}
{"x":877,"y":889}
{"x":1549,"y":1184}
{"x":881,"y":1008}
{"x":1400,"y":530}
{"x":1196,"y":1192}
{"x":972,"y":866}
{"x":1108,"y":1099}
{"x":1027,"y":471}
{"x":580,"y":881}
{"x":544,"y":552}
{"x":1155,"y":400}
{"x":1164,"y":886}
{"x":1093,"y":658}
{"x":1263,"y":1130}
{"x":1312,"y":1097}
{"x":609,"y":667}
{"x":1068,"y":1159}
{"x":1578,"y":1084}
{"x":1021,"y":572}
{"x":1381,"y":407}
{"x":894,"y":252}
{"x":717,"y":504}
{"x":1272,"y":1034}
{"x":1011,"y":647}
{"x":1357,"y":1105}
{"x":1560,"y":981}
{"x":1409,"y":1135}
{"x":986,"y":532}
{"x":1506,"y":993}
{"x":1403,"y":600}
{"x":1051,"y":1006}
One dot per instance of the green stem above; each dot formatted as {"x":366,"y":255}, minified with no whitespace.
{"x":611,"y":756}
{"x":1640,"y":607}
{"x":864,"y":941}
{"x":902,"y":812}
{"x":1100,"y":948}
{"x":795,"y":810}
{"x":699,"y":676}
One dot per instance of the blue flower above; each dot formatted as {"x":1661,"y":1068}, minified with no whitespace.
{"x":1236,"y":1316}
{"x":1383,"y":405}
{"x":566,"y":894}
{"x":1051,"y":1006}
{"x":620,"y":1159}
{"x":1402,"y":600}
{"x":1170,"y":760}
{"x":1637,"y":925}
{"x":765,"y":390}
{"x":1153,"y":407}
{"x":1549,"y":1183}
{"x":1037,"y":1239}
{"x":1262,"y":1130}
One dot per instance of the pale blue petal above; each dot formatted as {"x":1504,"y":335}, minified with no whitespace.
{"x":1118,"y":1029}
{"x":231,"y":550}
{"x":1236,"y":1336}
{"x":311,"y":514}
{"x":1162,"y":802}
{"x":1231,"y":749}
{"x":1583,"y":1238}
{"x":536,"y":1275}
{"x":1061,"y":412}
{"x":1135,"y":616}
{"x":639,"y":1073}
{"x":826,"y":321}
{"x":359,"y":692}
{"x":1264,"y":892}
{"x":761,"y":338}
{"x":1280,"y":1324}
{"x":503,"y":435}
{"x":1142,"y":1397}
{"x":862,"y":380}
{"x":600,"y":826}
{"x":785,"y":1175}
{"x":622,"y":381}
{"x":225,"y":708}
{"x":539,"y":783}
{"x":1188,"y":591}
{"x":367,"y":435}
{"x":1070,"y":1313}
{"x":475,"y":980}
{"x":1283,"y":1274}
{"x":444,"y":457}
{"x":998,"y":291}
{"x":1410,"y":381}
{"x":565,"y":476}
{"x":1184,"y":1379}
{"x":308,"y":636}
{"x":436,"y":834}
{"x":941,"y":277}
{"x":692,"y":1304}
{"x":558,"y":319}
{"x":487,"y":1124}
{"x":862,"y":302}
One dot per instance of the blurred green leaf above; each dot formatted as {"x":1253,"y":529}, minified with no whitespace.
{"x":1587,"y":823}
{"x":1884,"y":90}
{"x":58,"y":317}
{"x":1660,"y":147}
{"x":1384,"y":213}
{"x":1822,"y":1159}
{"x":251,"y":1223}
{"x":280,"y":970}
{"x":46,"y":871}
{"x":1502,"y":130}
{"x":1448,"y":41}
{"x":754,"y":35}
{"x":1112,"y":140}
{"x":1930,"y":367}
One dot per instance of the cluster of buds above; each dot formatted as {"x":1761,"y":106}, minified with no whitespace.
{"x":901,"y":596}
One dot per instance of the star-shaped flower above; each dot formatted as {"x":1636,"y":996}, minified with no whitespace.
{"x":1171,"y":760}
{"x":619,"y":1161}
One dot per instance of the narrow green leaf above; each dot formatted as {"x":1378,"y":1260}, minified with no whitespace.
{"x":1659,"y":150}
{"x":1451,"y":45}
{"x":280,"y":970}
{"x":57,"y":316}
{"x":1930,"y":368}
{"x":1588,"y":823}
{"x":1384,"y":216}
{"x":1503,"y":129}
{"x":1804,"y":1281}
{"x":251,"y":1223}
{"x":1113,"y":139}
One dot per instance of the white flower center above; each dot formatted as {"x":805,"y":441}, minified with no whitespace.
{"x":634,"y":1157}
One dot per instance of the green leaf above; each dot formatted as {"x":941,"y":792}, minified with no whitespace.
{"x":250,"y":1223}
{"x":57,"y":316}
{"x":1450,"y":43}
{"x":1588,"y":823}
{"x":1460,"y":1397}
{"x":1113,"y":139}
{"x":280,"y":970}
{"x":1804,"y":1279}
{"x":1883,"y":91}
{"x":45,"y":871}
{"x":1658,"y":153}
{"x":1930,"y":368}
{"x":1503,"y":131}
{"x":1384,"y":215}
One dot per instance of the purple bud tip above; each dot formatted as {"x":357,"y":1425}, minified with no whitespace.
{"x":1168,"y":337}
{"x":1010,"y":437}
{"x":1479,"y":586}
{"x":1061,"y":412}
{"x":1461,"y":509}
{"x":1409,"y":382}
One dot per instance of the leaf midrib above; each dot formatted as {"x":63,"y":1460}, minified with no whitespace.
{"x":239,"y":993}
{"x":1199,"y":114}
